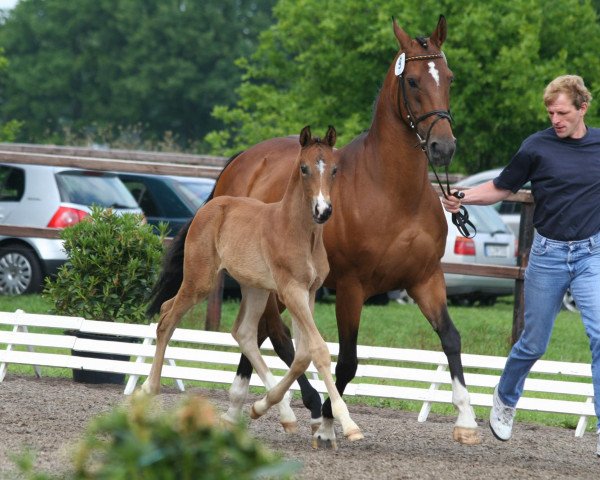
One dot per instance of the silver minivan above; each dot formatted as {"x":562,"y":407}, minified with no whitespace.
{"x":53,"y":197}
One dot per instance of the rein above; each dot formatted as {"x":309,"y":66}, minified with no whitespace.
{"x":461,"y":218}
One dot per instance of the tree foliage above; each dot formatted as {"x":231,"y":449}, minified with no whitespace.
{"x":323,"y":63}
{"x":125,"y":66}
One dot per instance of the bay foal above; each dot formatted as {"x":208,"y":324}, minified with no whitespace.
{"x":275,"y":247}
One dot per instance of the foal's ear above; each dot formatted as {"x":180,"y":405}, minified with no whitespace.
{"x":330,"y":136}
{"x":305,"y":136}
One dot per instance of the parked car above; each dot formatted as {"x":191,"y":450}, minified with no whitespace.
{"x":165,"y":198}
{"x":494,"y":244}
{"x":54,"y":197}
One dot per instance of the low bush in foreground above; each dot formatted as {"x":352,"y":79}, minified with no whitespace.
{"x":137,"y":442}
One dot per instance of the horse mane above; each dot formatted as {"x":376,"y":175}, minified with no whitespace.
{"x":422,"y":41}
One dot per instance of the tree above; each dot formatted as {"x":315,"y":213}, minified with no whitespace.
{"x":8,"y":128}
{"x":322,"y":63}
{"x":142,"y":66}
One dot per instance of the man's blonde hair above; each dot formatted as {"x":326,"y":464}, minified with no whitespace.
{"x":572,"y":86}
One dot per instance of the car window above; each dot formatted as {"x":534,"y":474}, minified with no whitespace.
{"x":486,"y":219}
{"x":197,"y":192}
{"x":12,"y":183}
{"x":93,"y":188}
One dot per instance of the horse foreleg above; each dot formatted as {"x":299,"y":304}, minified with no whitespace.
{"x":348,"y":305}
{"x":431,"y":299}
{"x":245,"y":333}
{"x":241,"y":383}
{"x":320,"y":356}
{"x":282,"y":344}
{"x":277,"y":392}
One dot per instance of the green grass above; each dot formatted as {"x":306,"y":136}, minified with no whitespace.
{"x":484,"y":330}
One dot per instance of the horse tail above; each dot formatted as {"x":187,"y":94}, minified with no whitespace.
{"x":171,"y":275}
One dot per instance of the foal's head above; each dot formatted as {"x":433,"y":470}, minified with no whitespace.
{"x":317,"y":169}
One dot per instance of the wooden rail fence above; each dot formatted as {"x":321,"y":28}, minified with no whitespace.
{"x":210,"y":166}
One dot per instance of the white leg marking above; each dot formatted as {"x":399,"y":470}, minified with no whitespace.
{"x":462,"y":401}
{"x":237,"y":396}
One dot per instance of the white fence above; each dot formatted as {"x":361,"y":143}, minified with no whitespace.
{"x":422,"y":374}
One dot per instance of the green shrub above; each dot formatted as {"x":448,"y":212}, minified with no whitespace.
{"x":112,"y":263}
{"x":184,"y":443}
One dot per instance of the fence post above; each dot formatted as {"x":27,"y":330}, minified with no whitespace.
{"x":213,"y":306}
{"x":525,"y":241}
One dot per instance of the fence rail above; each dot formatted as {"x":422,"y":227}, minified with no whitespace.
{"x":210,"y":166}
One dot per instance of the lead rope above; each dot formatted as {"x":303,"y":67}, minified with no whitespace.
{"x":460,"y":219}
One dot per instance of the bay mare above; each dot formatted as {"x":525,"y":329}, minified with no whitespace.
{"x":388,"y":231}
{"x":275,"y":247}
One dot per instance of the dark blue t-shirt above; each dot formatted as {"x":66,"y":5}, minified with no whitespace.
{"x":565,"y":182}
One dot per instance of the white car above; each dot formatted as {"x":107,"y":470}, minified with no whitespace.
{"x":53,"y":197}
{"x":493,"y":244}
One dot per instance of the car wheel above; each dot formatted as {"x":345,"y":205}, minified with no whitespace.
{"x":569,"y":302}
{"x":20,"y":270}
{"x":488,"y":301}
{"x":461,"y":301}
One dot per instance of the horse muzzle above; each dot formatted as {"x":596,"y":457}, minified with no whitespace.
{"x":321,"y":213}
{"x":441,"y":151}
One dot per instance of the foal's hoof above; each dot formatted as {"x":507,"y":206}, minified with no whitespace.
{"x":466,"y":436}
{"x":290,"y":427}
{"x":254,"y":414}
{"x":355,"y":435}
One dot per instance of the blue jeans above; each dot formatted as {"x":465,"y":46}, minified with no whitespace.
{"x":553,"y":267}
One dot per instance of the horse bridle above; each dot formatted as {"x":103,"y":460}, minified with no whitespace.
{"x":460,"y":219}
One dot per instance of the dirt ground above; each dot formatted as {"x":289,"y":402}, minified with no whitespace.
{"x":48,"y":415}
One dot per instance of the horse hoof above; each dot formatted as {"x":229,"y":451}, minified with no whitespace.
{"x":319,"y":442}
{"x":290,"y":427}
{"x":466,"y":436}
{"x":355,"y":435}
{"x":254,"y":414}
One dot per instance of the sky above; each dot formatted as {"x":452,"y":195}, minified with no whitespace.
{"x":7,"y":3}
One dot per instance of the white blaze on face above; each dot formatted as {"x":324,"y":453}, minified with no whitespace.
{"x":434,"y":73}
{"x":322,"y":204}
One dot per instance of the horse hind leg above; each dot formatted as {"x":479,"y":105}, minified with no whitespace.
{"x":195,"y":287}
{"x":435,"y":310}
{"x":171,"y":313}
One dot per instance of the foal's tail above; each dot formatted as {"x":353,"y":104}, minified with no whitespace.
{"x":171,"y":275}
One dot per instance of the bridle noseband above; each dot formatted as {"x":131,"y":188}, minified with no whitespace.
{"x":460,"y":219}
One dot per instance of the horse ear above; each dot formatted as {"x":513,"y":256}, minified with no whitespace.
{"x":438,"y":37}
{"x":402,"y":37}
{"x":305,"y":136}
{"x":331,"y":136}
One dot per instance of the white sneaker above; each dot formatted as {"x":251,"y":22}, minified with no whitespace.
{"x":501,"y":418}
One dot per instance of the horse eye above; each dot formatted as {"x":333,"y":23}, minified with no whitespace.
{"x":304,"y":169}
{"x":412,"y":82}
{"x":333,"y":171}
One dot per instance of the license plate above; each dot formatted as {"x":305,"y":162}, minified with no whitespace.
{"x":492,"y":250}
